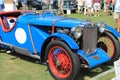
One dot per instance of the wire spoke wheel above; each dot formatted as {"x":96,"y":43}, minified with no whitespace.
{"x":62,"y":63}
{"x":107,"y":45}
{"x":110,"y":44}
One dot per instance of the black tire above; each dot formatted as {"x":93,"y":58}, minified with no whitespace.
{"x":62,"y":63}
{"x":107,"y":42}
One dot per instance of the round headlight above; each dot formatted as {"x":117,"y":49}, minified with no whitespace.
{"x":77,"y":32}
{"x":101,"y":26}
{"x":101,"y":30}
{"x":77,"y":35}
{"x":76,"y":29}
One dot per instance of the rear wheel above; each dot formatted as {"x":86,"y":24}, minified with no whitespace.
{"x":110,"y":45}
{"x":62,"y":63}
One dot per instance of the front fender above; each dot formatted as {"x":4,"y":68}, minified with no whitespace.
{"x":113,"y":31}
{"x":71,"y":42}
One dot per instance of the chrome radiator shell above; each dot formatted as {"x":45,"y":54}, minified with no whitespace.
{"x":89,"y":39}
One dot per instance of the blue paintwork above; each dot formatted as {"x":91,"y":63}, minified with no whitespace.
{"x":9,"y":37}
{"x":103,"y":57}
{"x":39,"y":36}
{"x":67,"y":39}
{"x":49,"y":19}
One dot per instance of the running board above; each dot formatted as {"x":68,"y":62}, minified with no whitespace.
{"x":25,"y":52}
{"x":94,"y":59}
{"x":20,"y":50}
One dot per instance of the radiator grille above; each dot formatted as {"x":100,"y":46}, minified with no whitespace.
{"x":89,"y":39}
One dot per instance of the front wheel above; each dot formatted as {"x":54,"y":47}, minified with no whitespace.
{"x":110,"y":45}
{"x":62,"y":63}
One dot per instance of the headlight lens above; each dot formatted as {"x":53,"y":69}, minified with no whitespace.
{"x":101,"y":30}
{"x":101,"y":26}
{"x":76,"y":32}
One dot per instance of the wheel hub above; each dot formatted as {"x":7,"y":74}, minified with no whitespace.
{"x":58,"y":63}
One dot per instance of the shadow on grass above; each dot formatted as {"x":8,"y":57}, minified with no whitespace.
{"x":88,"y":74}
{"x":24,"y":57}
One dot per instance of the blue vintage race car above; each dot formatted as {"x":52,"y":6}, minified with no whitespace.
{"x":65,"y":44}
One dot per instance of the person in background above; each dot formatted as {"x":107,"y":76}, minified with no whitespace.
{"x":2,"y":5}
{"x":24,"y":4}
{"x":104,"y":5}
{"x":107,"y":7}
{"x":51,"y":4}
{"x":97,"y":7}
{"x":116,"y":4}
{"x":85,"y":7}
{"x":60,"y":6}
{"x":80,"y":5}
{"x":48,"y":3}
{"x":89,"y":7}
{"x":15,"y":4}
{"x":55,"y":4}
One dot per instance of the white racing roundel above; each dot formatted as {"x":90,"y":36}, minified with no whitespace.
{"x":20,"y":35}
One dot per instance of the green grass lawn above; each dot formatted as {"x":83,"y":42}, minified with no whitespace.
{"x":103,"y":18}
{"x":17,"y":67}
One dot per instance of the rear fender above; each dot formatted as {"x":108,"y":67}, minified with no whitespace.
{"x":70,"y":42}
